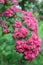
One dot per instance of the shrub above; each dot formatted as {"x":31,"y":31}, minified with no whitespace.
{"x":18,"y":33}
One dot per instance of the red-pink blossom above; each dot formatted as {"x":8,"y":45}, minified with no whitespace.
{"x":30,"y":21}
{"x":5,"y":28}
{"x":9,"y":13}
{"x":20,"y":33}
{"x":2,"y":1}
{"x":15,"y":9}
{"x":29,"y":48}
{"x":17,"y":24}
{"x":6,"y":31}
{"x":4,"y":25}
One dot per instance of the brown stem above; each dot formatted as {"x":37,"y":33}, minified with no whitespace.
{"x":22,"y":5}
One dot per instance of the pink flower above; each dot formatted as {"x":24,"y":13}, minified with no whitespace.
{"x":17,"y":34}
{"x":15,"y":9}
{"x":9,"y":13}
{"x":24,"y":31}
{"x":17,"y":24}
{"x":4,"y":25}
{"x":30,"y":21}
{"x":19,"y":46}
{"x":5,"y":28}
{"x":6,"y":31}
{"x":20,"y":33}
{"x":29,"y":48}
{"x":2,"y":1}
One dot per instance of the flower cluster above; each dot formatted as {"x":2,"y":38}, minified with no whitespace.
{"x":30,"y":21}
{"x":15,"y":9}
{"x":17,"y":24}
{"x":15,"y":1}
{"x":5,"y":28}
{"x":29,"y":48}
{"x":2,"y":1}
{"x":21,"y":31}
{"x":9,"y":13}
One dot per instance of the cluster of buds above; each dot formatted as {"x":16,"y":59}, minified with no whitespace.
{"x":21,"y":31}
{"x":9,"y":13}
{"x":30,"y":21}
{"x":29,"y":48}
{"x":5,"y":28}
{"x":2,"y":1}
